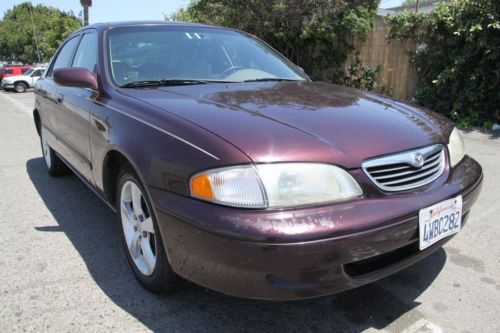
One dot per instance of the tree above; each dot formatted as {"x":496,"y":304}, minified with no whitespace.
{"x":86,"y":4}
{"x":315,"y":34}
{"x":17,"y":39}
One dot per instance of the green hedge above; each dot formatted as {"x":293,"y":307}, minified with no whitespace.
{"x":457,"y":59}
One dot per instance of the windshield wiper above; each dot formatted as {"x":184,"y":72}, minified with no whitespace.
{"x":157,"y":83}
{"x":169,"y":82}
{"x":276,"y":79}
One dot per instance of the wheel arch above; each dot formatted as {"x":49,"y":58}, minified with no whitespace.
{"x":113,"y":162}
{"x":37,"y":120}
{"x":23,"y":82}
{"x":112,"y":165}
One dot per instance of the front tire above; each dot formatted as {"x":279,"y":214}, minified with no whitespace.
{"x":55,"y":166}
{"x":20,"y":87}
{"x":141,"y":237}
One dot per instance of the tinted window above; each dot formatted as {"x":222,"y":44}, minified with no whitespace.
{"x":38,"y":72}
{"x":64,"y":56}
{"x":8,"y":71}
{"x":24,"y":70}
{"x":86,"y":55}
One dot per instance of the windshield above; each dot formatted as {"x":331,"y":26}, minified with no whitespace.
{"x":145,"y":54}
{"x":28,"y":72}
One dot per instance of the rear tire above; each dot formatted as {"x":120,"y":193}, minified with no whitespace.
{"x":55,"y":166}
{"x":20,"y":87}
{"x":141,"y":237}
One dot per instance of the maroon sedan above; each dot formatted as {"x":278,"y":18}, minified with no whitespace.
{"x":229,"y":167}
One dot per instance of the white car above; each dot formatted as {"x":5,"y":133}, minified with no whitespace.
{"x":20,"y":83}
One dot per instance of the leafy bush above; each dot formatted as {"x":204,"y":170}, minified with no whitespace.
{"x":361,"y":77}
{"x":314,"y":34}
{"x":457,"y":59}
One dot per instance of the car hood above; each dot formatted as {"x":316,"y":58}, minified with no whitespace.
{"x":301,"y":121}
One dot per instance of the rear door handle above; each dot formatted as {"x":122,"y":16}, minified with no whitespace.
{"x":60,"y":98}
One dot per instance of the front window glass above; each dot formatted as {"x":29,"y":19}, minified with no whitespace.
{"x":64,"y":57}
{"x":169,"y":53}
{"x":28,"y":72}
{"x":86,"y":55}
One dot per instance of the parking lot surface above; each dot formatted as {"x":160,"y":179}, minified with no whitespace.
{"x":62,"y":267}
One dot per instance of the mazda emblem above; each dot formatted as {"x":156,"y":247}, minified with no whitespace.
{"x":418,"y":160}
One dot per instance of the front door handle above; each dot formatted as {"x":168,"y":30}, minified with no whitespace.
{"x":99,"y":125}
{"x":60,"y":98}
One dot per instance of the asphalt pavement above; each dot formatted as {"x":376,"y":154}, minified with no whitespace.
{"x":62,"y":267}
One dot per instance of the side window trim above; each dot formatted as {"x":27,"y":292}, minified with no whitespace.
{"x":54,"y":59}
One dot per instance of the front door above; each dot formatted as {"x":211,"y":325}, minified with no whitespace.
{"x":75,"y":109}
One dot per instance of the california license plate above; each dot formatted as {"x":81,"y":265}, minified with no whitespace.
{"x":439,"y":221}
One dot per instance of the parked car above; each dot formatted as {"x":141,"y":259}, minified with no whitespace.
{"x":13,"y":70}
{"x":21,"y":83}
{"x":228,"y":166}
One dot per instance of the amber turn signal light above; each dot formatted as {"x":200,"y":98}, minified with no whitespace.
{"x":201,"y":187}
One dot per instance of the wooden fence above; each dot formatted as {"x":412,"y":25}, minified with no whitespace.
{"x":397,"y":75}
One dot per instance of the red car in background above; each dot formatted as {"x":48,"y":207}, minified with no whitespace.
{"x":13,"y":70}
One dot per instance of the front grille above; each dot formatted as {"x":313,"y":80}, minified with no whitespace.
{"x":407,"y":170}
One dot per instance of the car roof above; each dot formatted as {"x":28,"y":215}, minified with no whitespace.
{"x":111,"y":25}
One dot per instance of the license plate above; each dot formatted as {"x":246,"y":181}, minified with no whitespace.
{"x":439,"y":221}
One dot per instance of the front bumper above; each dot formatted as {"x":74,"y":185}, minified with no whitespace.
{"x":296,"y":254}
{"x":7,"y":86}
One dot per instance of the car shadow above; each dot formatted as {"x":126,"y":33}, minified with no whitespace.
{"x":92,"y":228}
{"x":12,"y":92}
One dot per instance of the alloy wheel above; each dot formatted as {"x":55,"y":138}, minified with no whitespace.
{"x":138,"y":228}
{"x":20,"y":88}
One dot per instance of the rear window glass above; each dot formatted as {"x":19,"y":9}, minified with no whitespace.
{"x":8,"y":71}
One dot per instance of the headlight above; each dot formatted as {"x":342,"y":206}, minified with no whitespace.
{"x":275,"y":185}
{"x":456,"y":147}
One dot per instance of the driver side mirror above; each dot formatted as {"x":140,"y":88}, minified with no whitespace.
{"x":76,"y":77}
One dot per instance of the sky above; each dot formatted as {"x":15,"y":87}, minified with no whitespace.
{"x":122,"y":10}
{"x":109,"y":10}
{"x":390,"y":3}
